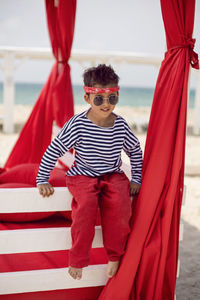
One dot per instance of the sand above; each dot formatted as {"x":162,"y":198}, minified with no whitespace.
{"x":188,"y":283}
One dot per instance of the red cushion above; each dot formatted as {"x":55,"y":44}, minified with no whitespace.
{"x":26,"y":173}
{"x":22,"y":217}
{"x":13,"y":185}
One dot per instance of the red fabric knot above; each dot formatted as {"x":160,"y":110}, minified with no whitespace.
{"x":61,"y":64}
{"x":189,"y":43}
{"x":194,"y":60}
{"x":62,"y":61}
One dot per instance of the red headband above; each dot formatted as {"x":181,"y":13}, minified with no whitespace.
{"x":96,"y":90}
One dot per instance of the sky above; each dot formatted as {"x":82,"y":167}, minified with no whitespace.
{"x":103,"y":25}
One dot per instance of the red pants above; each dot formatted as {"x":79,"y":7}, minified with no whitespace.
{"x":110,"y":193}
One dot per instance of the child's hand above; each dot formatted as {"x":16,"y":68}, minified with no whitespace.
{"x":45,"y":190}
{"x":134,"y":188}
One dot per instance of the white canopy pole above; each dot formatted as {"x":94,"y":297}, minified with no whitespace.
{"x":8,"y":92}
{"x":196,"y":127}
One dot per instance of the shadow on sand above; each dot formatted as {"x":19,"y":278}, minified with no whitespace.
{"x":188,"y":283}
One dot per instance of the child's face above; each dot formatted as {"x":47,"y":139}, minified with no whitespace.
{"x":105,"y":109}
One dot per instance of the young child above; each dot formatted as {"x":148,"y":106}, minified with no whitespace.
{"x":95,"y":180}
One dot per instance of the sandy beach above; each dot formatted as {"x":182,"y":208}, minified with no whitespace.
{"x":188,"y":283}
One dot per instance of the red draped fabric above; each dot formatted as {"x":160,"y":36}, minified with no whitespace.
{"x":55,"y":102}
{"x":149,"y":266}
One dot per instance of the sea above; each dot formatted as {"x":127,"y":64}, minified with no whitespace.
{"x":27,"y":94}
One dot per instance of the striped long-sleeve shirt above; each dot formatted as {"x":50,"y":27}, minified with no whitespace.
{"x":98,"y":149}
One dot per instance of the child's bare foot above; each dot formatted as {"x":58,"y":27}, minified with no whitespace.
{"x":112,"y":268}
{"x":76,"y":273}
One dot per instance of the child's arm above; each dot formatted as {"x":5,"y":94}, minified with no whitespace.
{"x":49,"y":159}
{"x":65,"y":140}
{"x":132,"y":148}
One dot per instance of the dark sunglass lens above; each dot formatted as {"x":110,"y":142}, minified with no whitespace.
{"x":98,"y":100}
{"x":113,"y":99}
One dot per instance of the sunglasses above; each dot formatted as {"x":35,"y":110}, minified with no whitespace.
{"x":112,"y":99}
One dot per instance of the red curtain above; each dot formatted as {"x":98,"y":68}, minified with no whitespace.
{"x":149,"y":266}
{"x":55,"y":102}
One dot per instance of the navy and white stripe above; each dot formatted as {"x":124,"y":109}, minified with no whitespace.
{"x":98,"y":149}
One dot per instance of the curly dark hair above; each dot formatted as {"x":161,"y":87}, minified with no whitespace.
{"x":102,"y":75}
